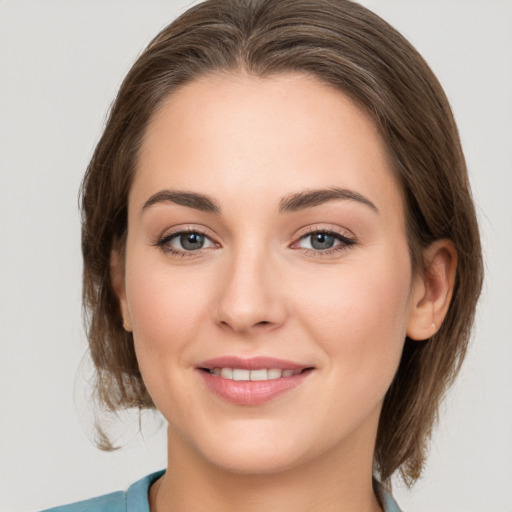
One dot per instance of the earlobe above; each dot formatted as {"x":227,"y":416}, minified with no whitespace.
{"x":118,"y":284}
{"x":432,"y":291}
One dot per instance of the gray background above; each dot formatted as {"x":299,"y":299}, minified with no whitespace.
{"x":61,"y":63}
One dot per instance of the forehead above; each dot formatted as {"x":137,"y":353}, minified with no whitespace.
{"x":244,"y":135}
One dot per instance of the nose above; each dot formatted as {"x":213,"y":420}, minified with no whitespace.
{"x":251,"y":297}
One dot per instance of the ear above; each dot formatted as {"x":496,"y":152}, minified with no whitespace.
{"x":118,"y":284}
{"x":432,"y":290}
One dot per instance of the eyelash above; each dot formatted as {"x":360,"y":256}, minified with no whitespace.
{"x":164,"y":242}
{"x":344,"y":242}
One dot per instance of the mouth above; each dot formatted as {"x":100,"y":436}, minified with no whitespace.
{"x":252,"y":369}
{"x":252,"y":381}
{"x":259,"y":374}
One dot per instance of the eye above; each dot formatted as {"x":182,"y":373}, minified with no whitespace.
{"x":319,"y":241}
{"x":324,"y":242}
{"x":185,"y":241}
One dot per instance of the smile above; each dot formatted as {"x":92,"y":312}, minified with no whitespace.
{"x":253,"y":381}
{"x":262,"y":374}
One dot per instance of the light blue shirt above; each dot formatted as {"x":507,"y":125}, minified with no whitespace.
{"x":135,"y":499}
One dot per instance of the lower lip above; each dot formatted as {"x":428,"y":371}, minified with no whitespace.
{"x":246,"y":392}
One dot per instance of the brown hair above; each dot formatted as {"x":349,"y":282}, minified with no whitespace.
{"x":344,"y":45}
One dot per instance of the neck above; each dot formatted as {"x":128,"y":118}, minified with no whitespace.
{"x":337,"y":481}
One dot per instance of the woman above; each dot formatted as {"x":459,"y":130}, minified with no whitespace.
{"x":281,"y":255}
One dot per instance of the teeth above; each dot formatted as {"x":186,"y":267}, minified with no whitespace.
{"x":259,"y":375}
{"x":227,"y":373}
{"x":274,"y":373}
{"x":240,"y":374}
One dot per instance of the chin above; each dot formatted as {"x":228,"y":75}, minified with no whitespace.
{"x":257,"y":451}
{"x":255,"y":463}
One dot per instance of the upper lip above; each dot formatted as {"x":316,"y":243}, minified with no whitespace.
{"x":252,"y":363}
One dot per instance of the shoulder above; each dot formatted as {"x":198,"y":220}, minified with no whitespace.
{"x":387,"y":501}
{"x":113,"y":502}
{"x":135,"y":499}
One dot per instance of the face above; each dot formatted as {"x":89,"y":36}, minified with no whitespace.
{"x":266,"y":240}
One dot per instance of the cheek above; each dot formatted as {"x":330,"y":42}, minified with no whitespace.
{"x":167,"y":311}
{"x":166,"y":315}
{"x":163,"y":303}
{"x":359,"y":317}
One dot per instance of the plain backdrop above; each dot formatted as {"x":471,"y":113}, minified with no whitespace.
{"x":61,"y":64}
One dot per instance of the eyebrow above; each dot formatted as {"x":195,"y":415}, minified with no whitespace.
{"x":190,"y":199}
{"x":310,"y":198}
{"x":290,"y":203}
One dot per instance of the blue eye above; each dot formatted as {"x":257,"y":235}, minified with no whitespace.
{"x":319,"y":242}
{"x":185,"y":241}
{"x":322,"y":241}
{"x":191,"y":241}
{"x":325,"y":241}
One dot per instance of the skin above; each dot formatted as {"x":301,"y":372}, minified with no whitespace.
{"x":259,"y":288}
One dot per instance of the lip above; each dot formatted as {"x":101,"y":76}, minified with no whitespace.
{"x":251,"y":363}
{"x":251,"y":392}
